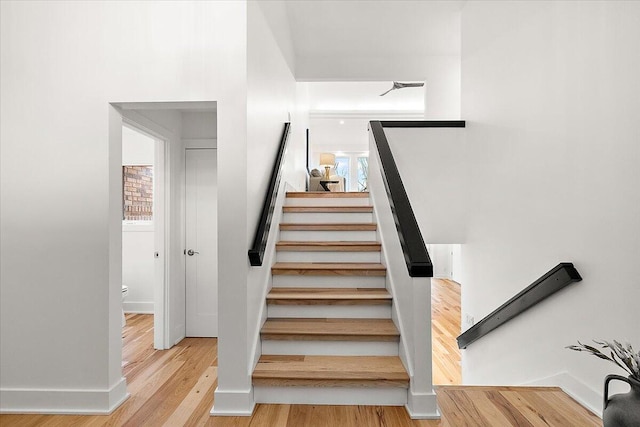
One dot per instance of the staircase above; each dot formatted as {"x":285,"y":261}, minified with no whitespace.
{"x":329,"y":337}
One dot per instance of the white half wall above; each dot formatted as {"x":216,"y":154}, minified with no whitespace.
{"x":61,"y":268}
{"x":551,"y":96}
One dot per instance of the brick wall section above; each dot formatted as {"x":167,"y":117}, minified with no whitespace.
{"x":137,"y":193}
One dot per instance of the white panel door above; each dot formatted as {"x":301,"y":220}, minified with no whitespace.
{"x":201,"y":243}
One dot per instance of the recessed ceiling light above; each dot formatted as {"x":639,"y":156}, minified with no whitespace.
{"x":341,"y":122}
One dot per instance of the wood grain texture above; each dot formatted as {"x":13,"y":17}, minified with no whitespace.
{"x":327,"y":209}
{"x":329,"y":269}
{"x":348,"y":226}
{"x":328,"y":296}
{"x":148,"y":373}
{"x":326,"y":195}
{"x":330,"y":329}
{"x":328,"y":246}
{"x":445,"y":328}
{"x":331,"y":371}
{"x":511,"y":406}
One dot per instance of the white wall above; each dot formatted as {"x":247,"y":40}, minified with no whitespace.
{"x":551,"y":96}
{"x":138,"y":240}
{"x":199,"y":125}
{"x":137,"y":148}
{"x":433,"y":165}
{"x":271,"y":101}
{"x":61,"y":266}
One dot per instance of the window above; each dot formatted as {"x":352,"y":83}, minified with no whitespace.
{"x":342,"y":169}
{"x":137,"y":193}
{"x":363,"y":173}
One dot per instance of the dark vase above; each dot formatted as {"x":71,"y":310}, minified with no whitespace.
{"x":622,"y":410}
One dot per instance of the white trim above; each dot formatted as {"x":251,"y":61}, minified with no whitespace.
{"x":195,"y":143}
{"x":137,"y":226}
{"x":138,"y":307}
{"x":422,"y":406}
{"x":63,"y":401}
{"x":367,"y":114}
{"x":192,"y":106}
{"x":233,"y":403}
{"x":582,"y":393}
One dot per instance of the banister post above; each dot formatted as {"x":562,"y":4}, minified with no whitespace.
{"x":421,"y":399}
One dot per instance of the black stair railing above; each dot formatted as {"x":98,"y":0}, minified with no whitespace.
{"x":256,"y":252}
{"x":415,"y":251}
{"x":555,"y":279}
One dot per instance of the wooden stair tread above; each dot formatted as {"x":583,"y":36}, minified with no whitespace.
{"x":327,"y":209}
{"x":326,"y":195}
{"x":329,"y":269}
{"x":366,"y":371}
{"x":328,"y":246}
{"x":330,"y":329}
{"x":328,"y":296}
{"x":348,"y":226}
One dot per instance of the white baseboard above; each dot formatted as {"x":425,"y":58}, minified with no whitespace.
{"x":138,"y":307}
{"x":61,"y":401}
{"x":236,"y":403}
{"x":585,"y":395}
{"x":422,"y":406}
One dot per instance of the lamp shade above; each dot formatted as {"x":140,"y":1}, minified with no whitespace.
{"x":327,"y":159}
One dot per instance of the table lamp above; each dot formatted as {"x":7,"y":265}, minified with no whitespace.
{"x":327,"y":160}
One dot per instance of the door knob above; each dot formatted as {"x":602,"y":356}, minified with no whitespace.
{"x":191,"y":252}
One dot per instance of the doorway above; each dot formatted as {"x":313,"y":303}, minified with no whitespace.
{"x":176,"y":126}
{"x":142,"y":219}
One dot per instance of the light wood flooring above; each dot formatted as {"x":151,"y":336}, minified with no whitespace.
{"x":175,"y":388}
{"x":445,"y":328}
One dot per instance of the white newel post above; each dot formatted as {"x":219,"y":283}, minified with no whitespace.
{"x":421,"y":401}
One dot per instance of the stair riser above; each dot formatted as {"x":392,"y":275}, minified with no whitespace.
{"x":286,"y":256}
{"x":333,"y":236}
{"x":330,"y":311}
{"x":348,"y":201}
{"x":328,"y":282}
{"x":330,"y":395}
{"x":320,"y":218}
{"x":329,"y":348}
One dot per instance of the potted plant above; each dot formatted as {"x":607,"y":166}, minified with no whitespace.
{"x":622,"y":410}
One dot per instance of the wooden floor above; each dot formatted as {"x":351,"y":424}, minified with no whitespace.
{"x":175,"y":388}
{"x":445,"y":328}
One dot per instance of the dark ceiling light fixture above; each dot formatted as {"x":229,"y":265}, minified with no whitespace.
{"x":398,"y":85}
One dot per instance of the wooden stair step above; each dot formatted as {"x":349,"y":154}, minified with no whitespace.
{"x":329,"y":329}
{"x":328,"y":246}
{"x":330,"y":371}
{"x":329,"y":269}
{"x":328,"y":296}
{"x":366,"y":226}
{"x":327,"y":209}
{"x":326,"y":195}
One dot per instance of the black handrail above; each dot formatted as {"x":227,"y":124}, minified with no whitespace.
{"x":256,"y":253}
{"x":555,"y":279}
{"x":415,"y":251}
